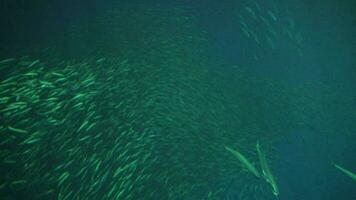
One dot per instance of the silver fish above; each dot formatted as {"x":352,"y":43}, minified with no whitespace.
{"x":266,"y":171}
{"x":347,"y":172}
{"x":246,"y":163}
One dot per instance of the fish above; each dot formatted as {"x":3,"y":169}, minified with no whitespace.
{"x":272,"y":15}
{"x":132,"y":111}
{"x":8,"y":60}
{"x":347,"y":172}
{"x":63,"y":177}
{"x":17,"y":130}
{"x":266,"y":171}
{"x":34,"y":63}
{"x":31,"y":74}
{"x":100,"y":60}
{"x":31,"y":140}
{"x":245,"y":31}
{"x":247,"y":164}
{"x":18,"y":182}
{"x":252,"y":13}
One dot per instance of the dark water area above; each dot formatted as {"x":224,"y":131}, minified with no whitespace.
{"x":328,"y":29}
{"x":305,"y":165}
{"x":197,"y":76}
{"x":28,"y":24}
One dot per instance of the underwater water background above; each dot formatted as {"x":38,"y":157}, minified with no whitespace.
{"x":143,"y":99}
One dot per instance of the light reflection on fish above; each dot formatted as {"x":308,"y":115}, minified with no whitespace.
{"x":246,"y":163}
{"x":347,"y":172}
{"x":266,"y":171}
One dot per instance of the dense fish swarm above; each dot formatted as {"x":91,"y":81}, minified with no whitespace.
{"x":111,"y":129}
{"x":76,"y":126}
{"x":115,"y":129}
{"x":148,"y":120}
